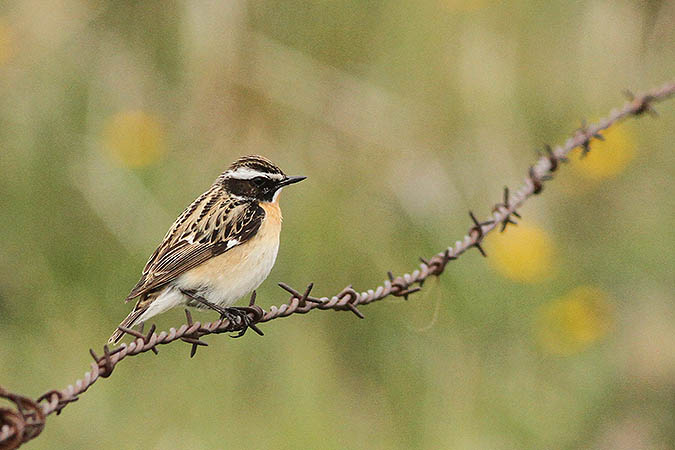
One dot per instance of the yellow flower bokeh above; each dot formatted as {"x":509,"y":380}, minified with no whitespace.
{"x":607,"y":158}
{"x":134,"y":138}
{"x":571,"y":323}
{"x":523,"y":253}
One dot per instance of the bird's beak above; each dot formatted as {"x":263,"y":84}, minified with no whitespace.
{"x":290,"y":180}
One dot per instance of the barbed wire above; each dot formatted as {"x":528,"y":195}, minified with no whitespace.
{"x":24,"y":422}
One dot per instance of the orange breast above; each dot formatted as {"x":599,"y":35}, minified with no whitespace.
{"x":235,"y":273}
{"x":272,"y":213}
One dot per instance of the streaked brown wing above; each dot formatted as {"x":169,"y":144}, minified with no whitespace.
{"x":210,"y":226}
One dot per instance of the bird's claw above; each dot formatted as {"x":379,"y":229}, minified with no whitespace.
{"x":240,"y":315}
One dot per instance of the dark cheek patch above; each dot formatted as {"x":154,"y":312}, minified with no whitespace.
{"x":241,"y":188}
{"x":268,"y":194}
{"x":245,"y":188}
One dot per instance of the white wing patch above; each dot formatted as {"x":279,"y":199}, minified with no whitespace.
{"x":231,"y":243}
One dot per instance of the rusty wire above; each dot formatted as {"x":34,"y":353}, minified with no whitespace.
{"x":27,"y":419}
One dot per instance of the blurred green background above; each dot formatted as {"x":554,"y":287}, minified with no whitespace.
{"x":404,"y":115}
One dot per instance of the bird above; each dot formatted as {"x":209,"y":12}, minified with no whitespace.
{"x":220,"y":248}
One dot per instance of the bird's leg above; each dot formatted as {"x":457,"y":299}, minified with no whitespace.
{"x":199,"y":299}
{"x":243,"y":313}
{"x":233,"y":314}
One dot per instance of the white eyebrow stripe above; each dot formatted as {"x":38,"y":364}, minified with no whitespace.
{"x":246,"y":173}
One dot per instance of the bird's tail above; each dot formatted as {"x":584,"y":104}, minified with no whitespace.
{"x":129,"y":322}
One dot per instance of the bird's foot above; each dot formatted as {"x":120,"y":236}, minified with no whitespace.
{"x":240,"y":314}
{"x":234,"y":314}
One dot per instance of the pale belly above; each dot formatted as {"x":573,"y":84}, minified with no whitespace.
{"x":228,"y":277}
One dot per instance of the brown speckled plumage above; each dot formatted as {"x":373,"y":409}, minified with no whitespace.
{"x":237,"y":216}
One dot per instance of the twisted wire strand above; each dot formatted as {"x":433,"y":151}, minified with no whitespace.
{"x":27,"y":420}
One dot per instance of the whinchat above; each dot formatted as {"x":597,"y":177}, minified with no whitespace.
{"x":219,"y":249}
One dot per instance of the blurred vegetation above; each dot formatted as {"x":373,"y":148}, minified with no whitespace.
{"x":404,"y":114}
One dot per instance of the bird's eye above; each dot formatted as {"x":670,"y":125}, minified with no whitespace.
{"x":259,"y":181}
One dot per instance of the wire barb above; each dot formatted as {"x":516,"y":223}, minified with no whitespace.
{"x":587,"y":135}
{"x":27,"y":419}
{"x":401,"y":287}
{"x":537,"y":180}
{"x":477,"y":234}
{"x":438,"y":262}
{"x":353,"y":298}
{"x":58,"y":397}
{"x":145,"y":338}
{"x":302,"y":298}
{"x":505,"y":207}
{"x":642,"y":104}
{"x":553,"y":159}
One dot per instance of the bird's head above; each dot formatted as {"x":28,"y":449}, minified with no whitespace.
{"x":256,"y":178}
